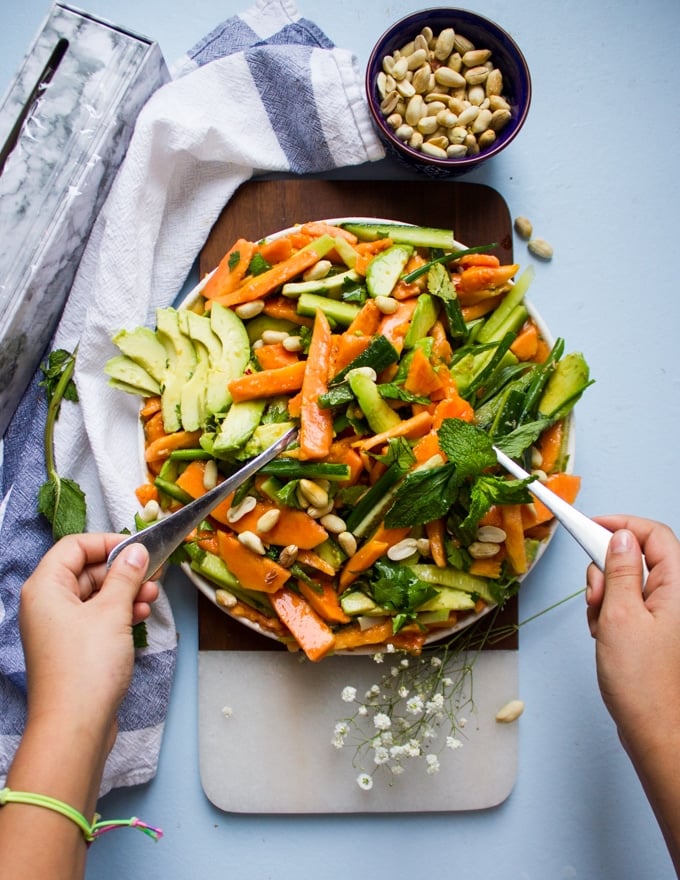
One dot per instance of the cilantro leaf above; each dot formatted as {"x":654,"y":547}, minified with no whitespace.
{"x":397,"y":588}
{"x":467,"y":446}
{"x":234,"y":259}
{"x":258,"y":265}
{"x":423,"y":496}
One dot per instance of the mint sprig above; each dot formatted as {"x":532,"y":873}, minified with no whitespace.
{"x":60,"y":500}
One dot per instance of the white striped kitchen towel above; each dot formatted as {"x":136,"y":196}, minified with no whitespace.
{"x":266,"y":91}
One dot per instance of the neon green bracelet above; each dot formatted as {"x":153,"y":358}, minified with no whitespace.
{"x":90,"y":831}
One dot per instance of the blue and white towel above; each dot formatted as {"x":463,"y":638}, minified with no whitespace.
{"x":266,"y":91}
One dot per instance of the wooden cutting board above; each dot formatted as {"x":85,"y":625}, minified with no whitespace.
{"x":273,"y":753}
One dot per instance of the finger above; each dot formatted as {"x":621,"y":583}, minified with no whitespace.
{"x":593,"y":616}
{"x":623,"y":569}
{"x":126,"y":577}
{"x":594,"y":586}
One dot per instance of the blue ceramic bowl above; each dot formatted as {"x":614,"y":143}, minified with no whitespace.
{"x":484,"y":34}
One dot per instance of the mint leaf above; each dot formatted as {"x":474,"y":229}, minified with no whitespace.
{"x":140,"y":635}
{"x":423,"y":496}
{"x":234,"y":259}
{"x":62,"y":502}
{"x":486,"y":491}
{"x":514,"y":443}
{"x":399,"y":452}
{"x":392,"y":391}
{"x":467,"y":446}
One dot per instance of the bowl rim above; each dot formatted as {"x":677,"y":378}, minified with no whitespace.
{"x":416,"y":156}
{"x":209,"y":590}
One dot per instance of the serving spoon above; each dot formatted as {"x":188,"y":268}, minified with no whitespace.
{"x":592,"y":537}
{"x":163,"y":537}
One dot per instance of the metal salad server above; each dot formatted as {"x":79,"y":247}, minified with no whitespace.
{"x":164,"y":536}
{"x":593,"y":537}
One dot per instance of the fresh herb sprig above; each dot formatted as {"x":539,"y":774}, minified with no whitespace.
{"x":60,"y":500}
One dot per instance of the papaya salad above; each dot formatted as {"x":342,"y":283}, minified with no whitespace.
{"x":402,"y":358}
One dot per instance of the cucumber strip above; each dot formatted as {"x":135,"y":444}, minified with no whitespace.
{"x":375,"y":494}
{"x":337,"y":312}
{"x":288,"y":469}
{"x":514,"y":297}
{"x":417,"y":236}
{"x":328,"y":286}
{"x":454,"y":580}
{"x":385,"y":269}
{"x":379,"y":354}
{"x":492,"y":364}
{"x":539,"y":380}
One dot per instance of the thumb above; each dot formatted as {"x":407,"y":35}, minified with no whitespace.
{"x":127,"y":573}
{"x":623,"y":566}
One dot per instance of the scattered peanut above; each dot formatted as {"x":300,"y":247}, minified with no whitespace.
{"x":249,"y":309}
{"x":150,"y":511}
{"x":348,"y":543}
{"x":402,"y":549}
{"x":210,"y":474}
{"x":235,"y":513}
{"x":540,"y":248}
{"x":483,"y":549}
{"x":271,"y":337}
{"x":333,"y":523}
{"x":449,"y":71}
{"x":510,"y":712}
{"x":288,"y":555}
{"x":252,"y":542}
{"x":314,"y":494}
{"x":524,"y":227}
{"x":225,"y":599}
{"x":268,"y":520}
{"x":491,"y":534}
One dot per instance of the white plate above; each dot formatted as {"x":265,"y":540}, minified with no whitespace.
{"x":208,"y":589}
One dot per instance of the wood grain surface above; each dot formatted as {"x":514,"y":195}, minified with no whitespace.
{"x":477,"y":214}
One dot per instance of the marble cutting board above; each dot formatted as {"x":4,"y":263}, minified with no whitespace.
{"x":265,"y":717}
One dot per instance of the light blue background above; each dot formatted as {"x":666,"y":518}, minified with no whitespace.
{"x":595,"y":168}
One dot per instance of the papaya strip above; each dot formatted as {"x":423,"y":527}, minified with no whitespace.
{"x":161,"y":447}
{"x":416,"y":426}
{"x":316,"y":423}
{"x":253,"y":572}
{"x":268,"y":383}
{"x":311,"y":633}
{"x":230,"y":271}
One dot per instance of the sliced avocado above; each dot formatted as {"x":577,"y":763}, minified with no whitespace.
{"x":193,"y":400}
{"x":328,"y":286}
{"x":567,"y":383}
{"x":232,"y":360}
{"x":238,"y":425}
{"x":181,"y":361}
{"x":262,"y":437}
{"x":128,"y":374}
{"x":386,"y":268}
{"x":255,"y":327}
{"x":144,"y":347}
{"x":422,"y":320}
{"x":379,"y":415}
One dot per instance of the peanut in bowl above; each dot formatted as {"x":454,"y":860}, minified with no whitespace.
{"x":447,"y":90}
{"x":401,"y":357}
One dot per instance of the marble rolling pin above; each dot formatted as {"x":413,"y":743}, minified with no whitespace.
{"x":65,"y":124}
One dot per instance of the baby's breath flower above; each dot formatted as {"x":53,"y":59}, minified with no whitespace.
{"x":365,"y":781}
{"x":453,"y":743}
{"x":341,"y":728}
{"x":378,"y":658}
{"x":382,"y":721}
{"x":349,"y":694}
{"x":462,"y":722}
{"x":435,"y":704}
{"x":414,"y":705}
{"x":381,"y":755}
{"x":390,"y":648}
{"x":432,"y":764}
{"x":412,"y":749}
{"x":227,"y":711}
{"x":397,"y":769}
{"x":363,"y":710}
{"x":404,"y":663}
{"x":447,"y":682}
{"x":403,"y":691}
{"x":435,"y":661}
{"x":394,"y":672}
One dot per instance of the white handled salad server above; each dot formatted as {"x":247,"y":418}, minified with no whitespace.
{"x":593,"y":537}
{"x":163,"y":537}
